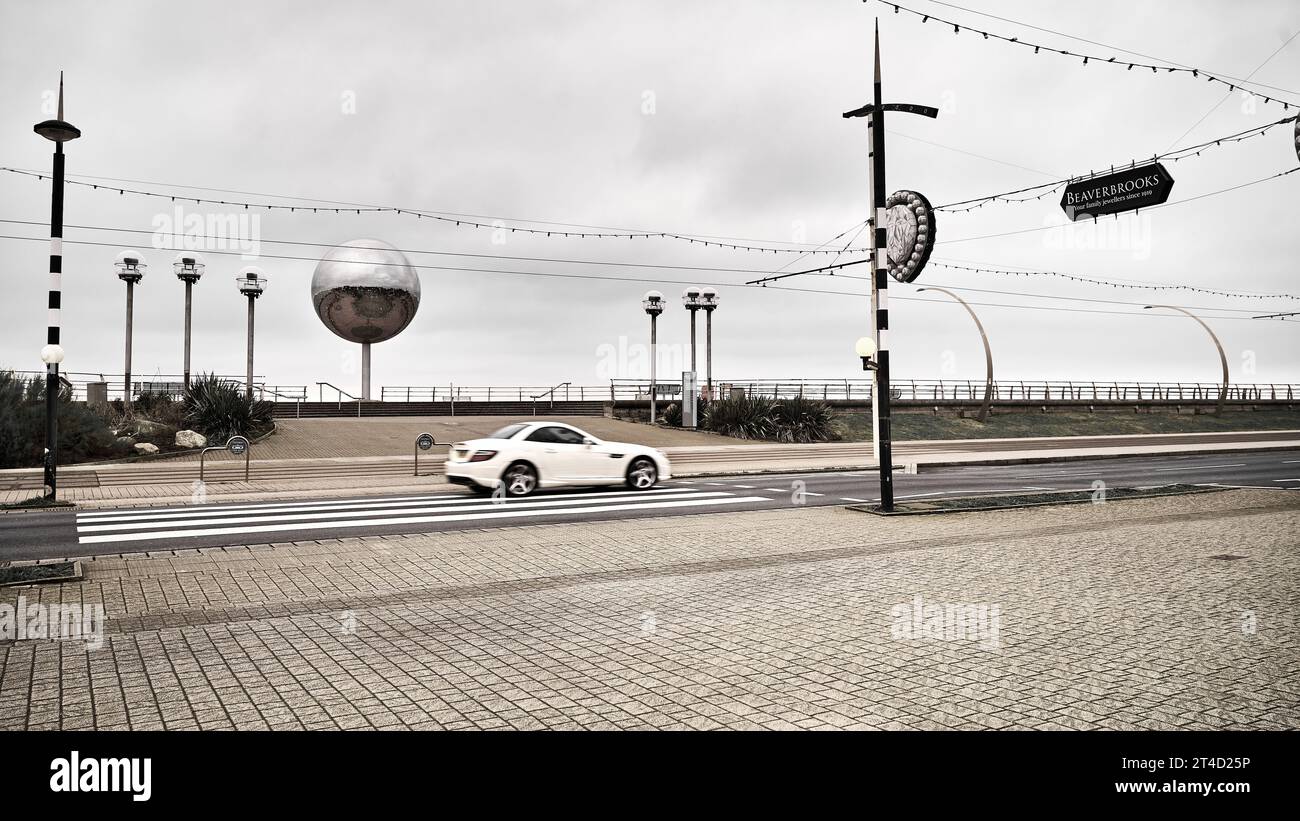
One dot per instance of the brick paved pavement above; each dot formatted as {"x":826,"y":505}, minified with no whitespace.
{"x":1109,"y":616}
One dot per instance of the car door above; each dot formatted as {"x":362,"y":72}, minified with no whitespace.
{"x":596,"y":461}
{"x":557,"y":453}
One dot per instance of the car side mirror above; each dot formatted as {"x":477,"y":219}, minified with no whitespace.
{"x":588,"y":441}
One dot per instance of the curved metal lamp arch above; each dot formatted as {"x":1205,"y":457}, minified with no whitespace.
{"x":988,"y":352}
{"x":1223,"y":359}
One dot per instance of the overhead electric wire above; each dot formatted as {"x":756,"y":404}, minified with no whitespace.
{"x":1176,"y":154}
{"x":1103,"y":45}
{"x":603,"y":278}
{"x":187,"y":235}
{"x":420,"y":214}
{"x":1093,"y":58}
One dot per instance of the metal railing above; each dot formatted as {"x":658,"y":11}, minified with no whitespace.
{"x":551,"y":393}
{"x":171,"y":385}
{"x":971,"y":390}
{"x":491,"y":393}
{"x":321,"y":386}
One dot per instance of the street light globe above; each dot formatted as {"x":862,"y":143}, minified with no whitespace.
{"x":52,"y":354}
{"x":130,"y":265}
{"x":709,"y":294}
{"x":251,"y":280}
{"x":653,"y":302}
{"x":866,"y":347}
{"x":188,"y":266}
{"x":691,"y":296}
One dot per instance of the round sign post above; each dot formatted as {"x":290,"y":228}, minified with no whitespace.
{"x":422,"y":442}
{"x":238,"y":446}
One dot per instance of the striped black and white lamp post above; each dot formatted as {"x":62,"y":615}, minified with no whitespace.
{"x":875,"y":111}
{"x":57,"y":131}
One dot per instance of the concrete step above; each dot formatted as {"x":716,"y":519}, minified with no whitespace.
{"x":310,"y":410}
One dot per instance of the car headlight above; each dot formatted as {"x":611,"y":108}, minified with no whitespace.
{"x":482,"y":455}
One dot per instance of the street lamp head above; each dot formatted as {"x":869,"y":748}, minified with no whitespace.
{"x":188,"y":266}
{"x":251,"y":281}
{"x":58,"y":130}
{"x":653,"y":302}
{"x":52,"y":354}
{"x":130,"y":266}
{"x":691,"y":297}
{"x":708,"y":297}
{"x":866,"y":349}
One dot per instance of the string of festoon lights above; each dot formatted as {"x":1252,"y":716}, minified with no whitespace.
{"x":1046,"y":188}
{"x":1111,"y":283}
{"x":1089,"y":58}
{"x":495,"y":225}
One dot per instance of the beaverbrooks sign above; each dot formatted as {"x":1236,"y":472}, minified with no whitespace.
{"x":1133,"y":188}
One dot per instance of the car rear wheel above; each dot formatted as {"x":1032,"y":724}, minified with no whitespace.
{"x":520,"y":479}
{"x":642,"y":474}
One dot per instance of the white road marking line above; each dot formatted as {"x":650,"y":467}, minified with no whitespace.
{"x":105,"y":514}
{"x":919,"y":495}
{"x":354,"y":523}
{"x":1201,"y":467}
{"x":1286,"y":480}
{"x":482,"y":504}
{"x":744,"y":487}
{"x":810,"y":493}
{"x":715,"y":484}
{"x":200,"y":511}
{"x":777,"y":489}
{"x":1057,"y":475}
{"x":1240,"y":487}
{"x":1030,"y":487}
{"x":851,"y":499}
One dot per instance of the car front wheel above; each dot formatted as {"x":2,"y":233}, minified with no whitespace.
{"x":642,"y":474}
{"x":520,"y":479}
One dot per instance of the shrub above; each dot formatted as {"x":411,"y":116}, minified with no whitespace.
{"x":159,"y":407}
{"x":803,"y":420}
{"x":748,"y":417}
{"x":82,"y":434}
{"x":219,"y":410}
{"x":758,"y":417}
{"x":672,"y":415}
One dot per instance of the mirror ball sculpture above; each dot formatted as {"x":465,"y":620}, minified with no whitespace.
{"x":365,"y":291}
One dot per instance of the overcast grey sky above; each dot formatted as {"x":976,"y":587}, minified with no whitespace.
{"x":710,"y":118}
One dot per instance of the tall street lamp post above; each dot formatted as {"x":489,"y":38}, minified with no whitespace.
{"x":57,"y":131}
{"x":875,"y":112}
{"x":251,"y":281}
{"x":130,"y":267}
{"x":1223,"y":359}
{"x":653,"y":302}
{"x":691,"y":299}
{"x":709,"y":302}
{"x":189,"y":268}
{"x":988,"y":352}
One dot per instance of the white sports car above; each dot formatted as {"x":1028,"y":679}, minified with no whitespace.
{"x":525,"y":456}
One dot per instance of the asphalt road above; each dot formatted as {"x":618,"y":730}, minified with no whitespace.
{"x":131,"y":530}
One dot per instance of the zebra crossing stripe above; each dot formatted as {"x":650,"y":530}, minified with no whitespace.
{"x":297,"y":515}
{"x":484,"y":515}
{"x":200,"y":511}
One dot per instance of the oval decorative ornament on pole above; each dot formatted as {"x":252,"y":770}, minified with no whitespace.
{"x":909,"y":222}
{"x":1140,"y":187}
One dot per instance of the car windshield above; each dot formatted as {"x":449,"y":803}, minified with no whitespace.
{"x":506,"y":432}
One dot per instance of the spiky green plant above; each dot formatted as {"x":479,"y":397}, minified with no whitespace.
{"x":218,"y":410}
